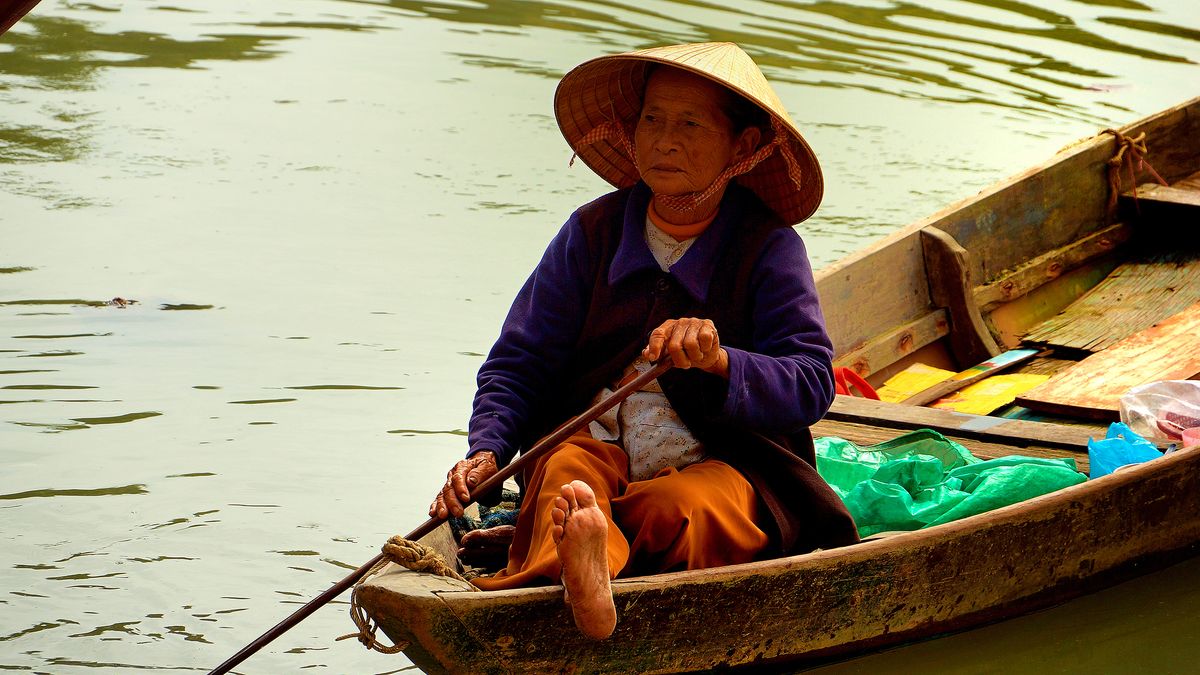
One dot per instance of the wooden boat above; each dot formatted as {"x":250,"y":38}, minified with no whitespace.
{"x":950,"y":290}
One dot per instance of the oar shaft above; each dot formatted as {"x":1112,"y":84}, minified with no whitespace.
{"x":531,"y":455}
{"x":567,"y":429}
{"x":295,"y":618}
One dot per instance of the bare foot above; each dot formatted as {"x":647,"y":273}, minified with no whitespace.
{"x":580,"y":531}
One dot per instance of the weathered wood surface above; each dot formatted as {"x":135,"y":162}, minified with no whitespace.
{"x":1046,"y":365}
{"x":947,"y":266}
{"x":1093,"y":387}
{"x":1165,"y":194}
{"x":1050,"y":266}
{"x":1165,"y":207}
{"x":820,"y":605}
{"x":1191,"y":182}
{"x":875,"y":293}
{"x":1003,"y":228}
{"x":893,"y":345}
{"x":1017,"y":433}
{"x":1137,"y":295}
{"x":1011,"y":321}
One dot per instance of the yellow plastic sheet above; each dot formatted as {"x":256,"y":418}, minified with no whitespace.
{"x":911,"y":381}
{"x":987,"y":395}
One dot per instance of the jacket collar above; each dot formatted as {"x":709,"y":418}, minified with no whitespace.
{"x":694,"y":270}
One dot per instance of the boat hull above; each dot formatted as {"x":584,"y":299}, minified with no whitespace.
{"x":950,"y":290}
{"x":821,"y":605}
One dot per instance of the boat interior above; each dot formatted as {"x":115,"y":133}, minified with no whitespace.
{"x":1037,"y":303}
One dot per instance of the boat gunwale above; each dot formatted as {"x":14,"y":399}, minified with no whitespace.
{"x":1064,"y":154}
{"x":1025,"y":510}
{"x":1040,"y":217}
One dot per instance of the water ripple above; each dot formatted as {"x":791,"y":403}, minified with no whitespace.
{"x":60,"y":337}
{"x":116,"y":419}
{"x":339,"y":387}
{"x":416,"y":432}
{"x":37,"y":628}
{"x":135,"y":489}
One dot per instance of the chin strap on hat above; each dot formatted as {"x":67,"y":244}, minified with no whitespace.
{"x":608,"y":131}
{"x":616,"y":134}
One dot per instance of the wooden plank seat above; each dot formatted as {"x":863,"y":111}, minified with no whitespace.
{"x":1175,"y":205}
{"x":998,"y":430}
{"x":1138,"y":294}
{"x":1093,"y":387}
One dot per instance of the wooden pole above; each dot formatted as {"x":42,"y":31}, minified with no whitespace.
{"x":13,"y":13}
{"x":526,"y":459}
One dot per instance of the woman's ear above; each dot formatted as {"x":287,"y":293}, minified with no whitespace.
{"x":746,"y":143}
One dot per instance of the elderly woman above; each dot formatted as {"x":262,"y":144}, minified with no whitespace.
{"x":693,"y":257}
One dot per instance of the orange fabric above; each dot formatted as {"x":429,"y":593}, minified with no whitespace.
{"x":679,"y":232}
{"x":703,"y":515}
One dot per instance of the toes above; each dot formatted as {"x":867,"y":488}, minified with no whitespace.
{"x":585,"y":497}
{"x":561,"y":504}
{"x":559,"y":515}
{"x":568,"y":495}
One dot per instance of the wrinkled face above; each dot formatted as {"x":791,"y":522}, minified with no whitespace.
{"x":684,"y":139}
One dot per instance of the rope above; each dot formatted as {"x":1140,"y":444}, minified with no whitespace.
{"x":411,"y":554}
{"x":1131,"y":153}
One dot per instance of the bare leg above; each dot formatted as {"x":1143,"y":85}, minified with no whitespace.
{"x":580,"y":531}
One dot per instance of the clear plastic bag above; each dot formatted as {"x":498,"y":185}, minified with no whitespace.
{"x":1161,"y":411}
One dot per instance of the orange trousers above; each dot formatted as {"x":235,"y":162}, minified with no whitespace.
{"x":703,"y":515}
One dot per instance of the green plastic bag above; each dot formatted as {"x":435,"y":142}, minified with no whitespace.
{"x":843,"y":464}
{"x":922,"y":478}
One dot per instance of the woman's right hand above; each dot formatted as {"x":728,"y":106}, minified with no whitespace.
{"x":465,"y":476}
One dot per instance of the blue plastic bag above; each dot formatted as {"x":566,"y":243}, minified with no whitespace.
{"x":1121,"y":446}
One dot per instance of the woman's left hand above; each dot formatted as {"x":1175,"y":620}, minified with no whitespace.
{"x":691,"y":343}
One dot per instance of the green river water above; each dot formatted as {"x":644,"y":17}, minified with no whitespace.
{"x":323,"y":209}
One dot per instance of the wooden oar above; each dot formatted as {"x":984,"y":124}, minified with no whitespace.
{"x":526,"y":459}
{"x":12,"y":14}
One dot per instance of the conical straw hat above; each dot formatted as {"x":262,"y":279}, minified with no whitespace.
{"x":610,"y":88}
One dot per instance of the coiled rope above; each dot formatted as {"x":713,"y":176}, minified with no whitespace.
{"x":411,"y":554}
{"x":1131,"y":154}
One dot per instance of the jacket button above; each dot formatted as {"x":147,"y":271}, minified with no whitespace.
{"x":663,"y":285}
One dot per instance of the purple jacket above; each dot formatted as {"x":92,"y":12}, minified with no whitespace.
{"x":780,"y":380}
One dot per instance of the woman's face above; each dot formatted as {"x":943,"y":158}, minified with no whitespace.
{"x":684,"y":139}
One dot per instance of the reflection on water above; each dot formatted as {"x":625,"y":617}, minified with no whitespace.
{"x":324,"y":209}
{"x":337,"y":387}
{"x":116,"y":419}
{"x":182,"y":307}
{"x":890,"y":49}
{"x":48,"y":52}
{"x":63,"y":53}
{"x":97,"y":492}
{"x":83,"y":303}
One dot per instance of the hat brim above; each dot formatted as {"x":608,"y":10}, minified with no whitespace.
{"x":610,"y":89}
